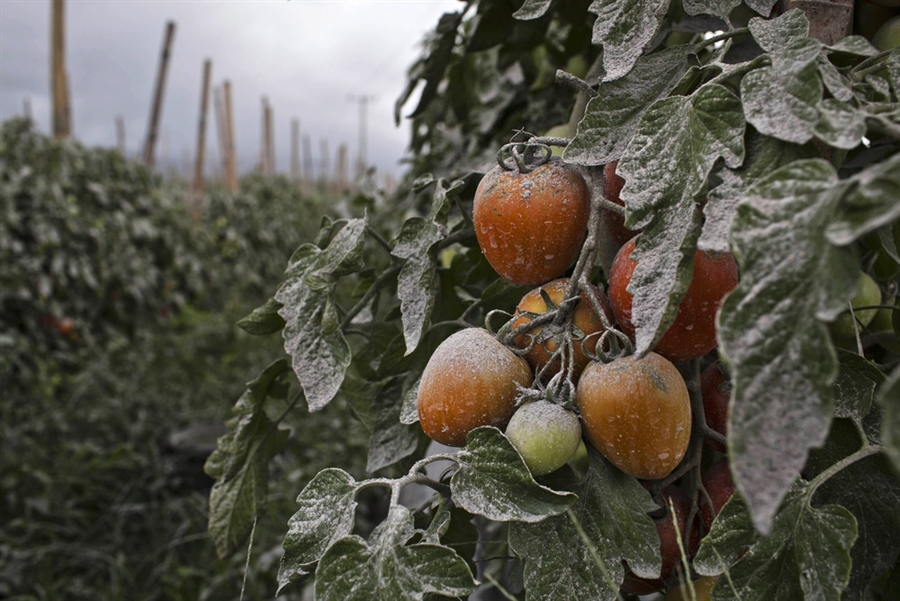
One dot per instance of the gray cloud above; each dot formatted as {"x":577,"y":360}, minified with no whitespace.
{"x":308,"y":58}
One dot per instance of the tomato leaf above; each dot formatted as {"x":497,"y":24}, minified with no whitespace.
{"x":493,"y":481}
{"x":855,"y":386}
{"x":312,"y":334}
{"x":877,"y":512}
{"x":719,"y":8}
{"x":386,"y":568}
{"x":415,"y":245}
{"x":771,"y":331}
{"x":806,"y":556}
{"x":784,"y":30}
{"x":532,"y":9}
{"x":840,"y":124}
{"x":326,"y":514}
{"x":870,"y":203}
{"x":612,"y":117}
{"x":782,"y":100}
{"x":612,"y":512}
{"x":624,"y":28}
{"x":764,"y":154}
{"x":763,"y":7}
{"x":888,"y":395}
{"x":665,"y":166}
{"x":240,"y":464}
{"x":391,"y":440}
{"x":263,"y":319}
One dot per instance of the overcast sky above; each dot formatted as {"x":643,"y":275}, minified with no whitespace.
{"x":308,"y":57}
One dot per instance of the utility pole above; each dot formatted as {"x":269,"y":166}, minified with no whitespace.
{"x":363,"y":101}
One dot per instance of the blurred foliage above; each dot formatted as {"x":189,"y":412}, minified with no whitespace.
{"x":117,"y":337}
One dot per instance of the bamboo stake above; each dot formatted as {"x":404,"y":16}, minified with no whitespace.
{"x":230,"y":161}
{"x":156,"y":111}
{"x":308,"y":174}
{"x":62,"y":112}
{"x":221,"y":128}
{"x":201,"y":130}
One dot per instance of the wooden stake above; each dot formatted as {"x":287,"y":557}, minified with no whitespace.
{"x":62,"y":112}
{"x":308,"y":168}
{"x":201,"y":130}
{"x":341,"y":172}
{"x":295,"y":150}
{"x":231,"y":180}
{"x":272,"y":168}
{"x":120,"y":135}
{"x":325,"y":167}
{"x":156,"y":110}
{"x":26,"y":107}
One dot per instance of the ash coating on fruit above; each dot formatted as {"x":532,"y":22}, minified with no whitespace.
{"x":545,"y":434}
{"x":530,"y":226}
{"x":471,"y":380}
{"x":637,"y":413}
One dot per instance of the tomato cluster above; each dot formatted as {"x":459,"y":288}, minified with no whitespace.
{"x":566,"y":345}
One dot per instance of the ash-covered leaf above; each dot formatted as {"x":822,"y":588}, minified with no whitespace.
{"x":771,"y":332}
{"x":840,"y":124}
{"x":263,"y":319}
{"x":612,"y":117}
{"x":877,"y":512}
{"x":240,"y":464}
{"x":532,"y":9}
{"x":326,"y":514}
{"x":312,"y":334}
{"x":837,"y":84}
{"x":624,"y":28}
{"x":612,"y":512}
{"x":782,"y":100}
{"x":764,"y":154}
{"x":870,"y":203}
{"x":855,"y":386}
{"x":762,"y":7}
{"x":665,"y":167}
{"x":493,"y":481}
{"x":386,"y":568}
{"x":409,"y":410}
{"x":854,"y":45}
{"x":719,"y":8}
{"x":774,"y":34}
{"x":416,"y":283}
{"x":391,"y":440}
{"x":889,"y":401}
{"x":806,"y":556}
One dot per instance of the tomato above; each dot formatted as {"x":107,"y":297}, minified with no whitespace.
{"x":637,"y":413}
{"x":615,"y":222}
{"x":545,"y":434}
{"x":584,"y":317}
{"x":66,"y":327}
{"x":471,"y":380}
{"x":843,"y":329}
{"x":716,"y":391}
{"x":717,"y":481}
{"x":530,"y":226}
{"x":693,"y":333}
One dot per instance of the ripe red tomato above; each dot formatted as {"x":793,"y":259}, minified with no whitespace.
{"x":637,"y":413}
{"x":615,"y":222}
{"x":583,"y":317}
{"x":530,"y":226}
{"x":471,"y":380}
{"x":716,"y":391}
{"x":693,"y":333}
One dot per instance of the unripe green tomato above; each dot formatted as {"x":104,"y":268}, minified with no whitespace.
{"x":557,"y":131}
{"x":545,"y":434}
{"x":702,"y":590}
{"x":888,"y":35}
{"x":882,"y":319}
{"x":843,"y":331}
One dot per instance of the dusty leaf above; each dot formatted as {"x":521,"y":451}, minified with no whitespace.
{"x":312,"y":335}
{"x":391,"y":440}
{"x":493,"y":481}
{"x":326,"y":514}
{"x":612,"y":512}
{"x":385,"y":567}
{"x":665,"y":167}
{"x":624,"y":27}
{"x":782,"y":362}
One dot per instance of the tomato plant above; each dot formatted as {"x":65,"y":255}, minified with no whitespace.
{"x":759,"y":139}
